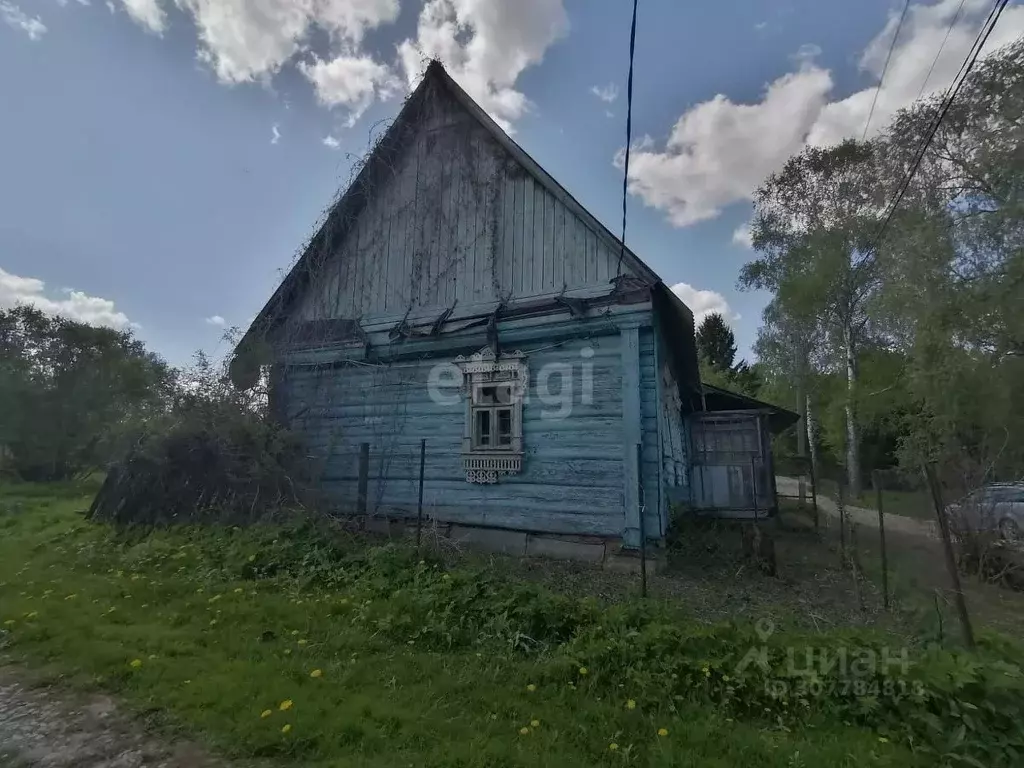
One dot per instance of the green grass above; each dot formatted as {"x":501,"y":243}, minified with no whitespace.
{"x":916,"y":504}
{"x":203,"y":631}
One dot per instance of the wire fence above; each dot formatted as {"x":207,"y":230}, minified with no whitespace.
{"x":941,"y":546}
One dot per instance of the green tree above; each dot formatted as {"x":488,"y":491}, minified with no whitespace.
{"x":716,"y":343}
{"x":69,"y":392}
{"x":813,"y":226}
{"x":952,"y":271}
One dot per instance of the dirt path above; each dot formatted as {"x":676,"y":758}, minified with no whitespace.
{"x":55,"y":728}
{"x":789,"y":486}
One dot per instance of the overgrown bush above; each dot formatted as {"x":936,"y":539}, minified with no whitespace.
{"x":216,"y":456}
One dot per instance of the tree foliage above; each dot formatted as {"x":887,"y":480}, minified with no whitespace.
{"x":716,"y":342}
{"x":70,"y":393}
{"x":920,"y":333}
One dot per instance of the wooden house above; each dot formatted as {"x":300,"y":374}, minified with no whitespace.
{"x":457,"y":294}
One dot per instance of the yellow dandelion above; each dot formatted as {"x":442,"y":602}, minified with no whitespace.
{"x":531,"y":687}
{"x":316,"y":673}
{"x":630,"y":704}
{"x":286,"y":728}
{"x":583,"y":671}
{"x":613,"y":746}
{"x":663,"y":732}
{"x":535,"y":723}
{"x":285,"y":705}
{"x":135,"y":663}
{"x":524,"y":730}
{"x":265,"y":714}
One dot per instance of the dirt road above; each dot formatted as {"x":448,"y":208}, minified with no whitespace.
{"x":55,"y":728}
{"x":789,"y":486}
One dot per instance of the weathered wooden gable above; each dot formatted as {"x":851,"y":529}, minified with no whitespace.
{"x":456,"y":221}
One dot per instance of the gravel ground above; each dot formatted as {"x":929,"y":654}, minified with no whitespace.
{"x":55,"y":728}
{"x":866,"y":517}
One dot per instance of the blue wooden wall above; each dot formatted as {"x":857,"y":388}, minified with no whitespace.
{"x":577,"y":472}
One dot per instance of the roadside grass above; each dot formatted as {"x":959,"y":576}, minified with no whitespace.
{"x":265,"y":643}
{"x":915,"y":504}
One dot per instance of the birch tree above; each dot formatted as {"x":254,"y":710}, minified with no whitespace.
{"x":814,"y":222}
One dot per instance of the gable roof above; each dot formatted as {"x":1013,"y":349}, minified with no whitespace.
{"x":381,"y":162}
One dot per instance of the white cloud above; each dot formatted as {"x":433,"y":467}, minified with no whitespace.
{"x":608,"y":93}
{"x":923,"y":31}
{"x":485,"y":45}
{"x":245,"y":40}
{"x":275,"y":133}
{"x":703,"y":303}
{"x":18,"y":19}
{"x":719,"y":151}
{"x":15,"y":290}
{"x":742,"y":236}
{"x":350,"y":81}
{"x":148,"y":13}
{"x":216,"y":320}
{"x":330,"y":141}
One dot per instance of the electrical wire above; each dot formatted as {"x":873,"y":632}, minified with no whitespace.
{"x":629,"y":138}
{"x":949,"y":31}
{"x":885,"y":68}
{"x":947,"y":102}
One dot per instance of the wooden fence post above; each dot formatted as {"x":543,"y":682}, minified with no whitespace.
{"x":814,"y":499}
{"x":364,"y":478}
{"x":947,"y":545}
{"x":419,"y":505}
{"x":841,"y":503}
{"x":875,"y":475}
{"x":643,"y":528}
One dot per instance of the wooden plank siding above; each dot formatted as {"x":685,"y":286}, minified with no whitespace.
{"x":457,"y":224}
{"x":572,"y":480}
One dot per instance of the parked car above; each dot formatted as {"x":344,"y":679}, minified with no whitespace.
{"x":993,"y":507}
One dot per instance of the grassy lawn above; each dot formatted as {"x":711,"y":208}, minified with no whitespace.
{"x":263,"y":643}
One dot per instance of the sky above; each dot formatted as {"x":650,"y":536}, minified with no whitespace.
{"x":161,"y":161}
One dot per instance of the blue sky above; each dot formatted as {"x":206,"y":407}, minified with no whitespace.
{"x":161,"y":161}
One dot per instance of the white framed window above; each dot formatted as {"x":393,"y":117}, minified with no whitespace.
{"x":495,"y":388}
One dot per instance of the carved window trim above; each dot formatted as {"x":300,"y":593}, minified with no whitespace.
{"x":481,"y":372}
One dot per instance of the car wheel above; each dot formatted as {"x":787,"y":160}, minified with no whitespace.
{"x":1009,"y":529}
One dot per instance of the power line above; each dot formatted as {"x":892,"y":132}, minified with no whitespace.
{"x":947,"y":102}
{"x":949,"y":31}
{"x":629,"y":138}
{"x":885,"y":68}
